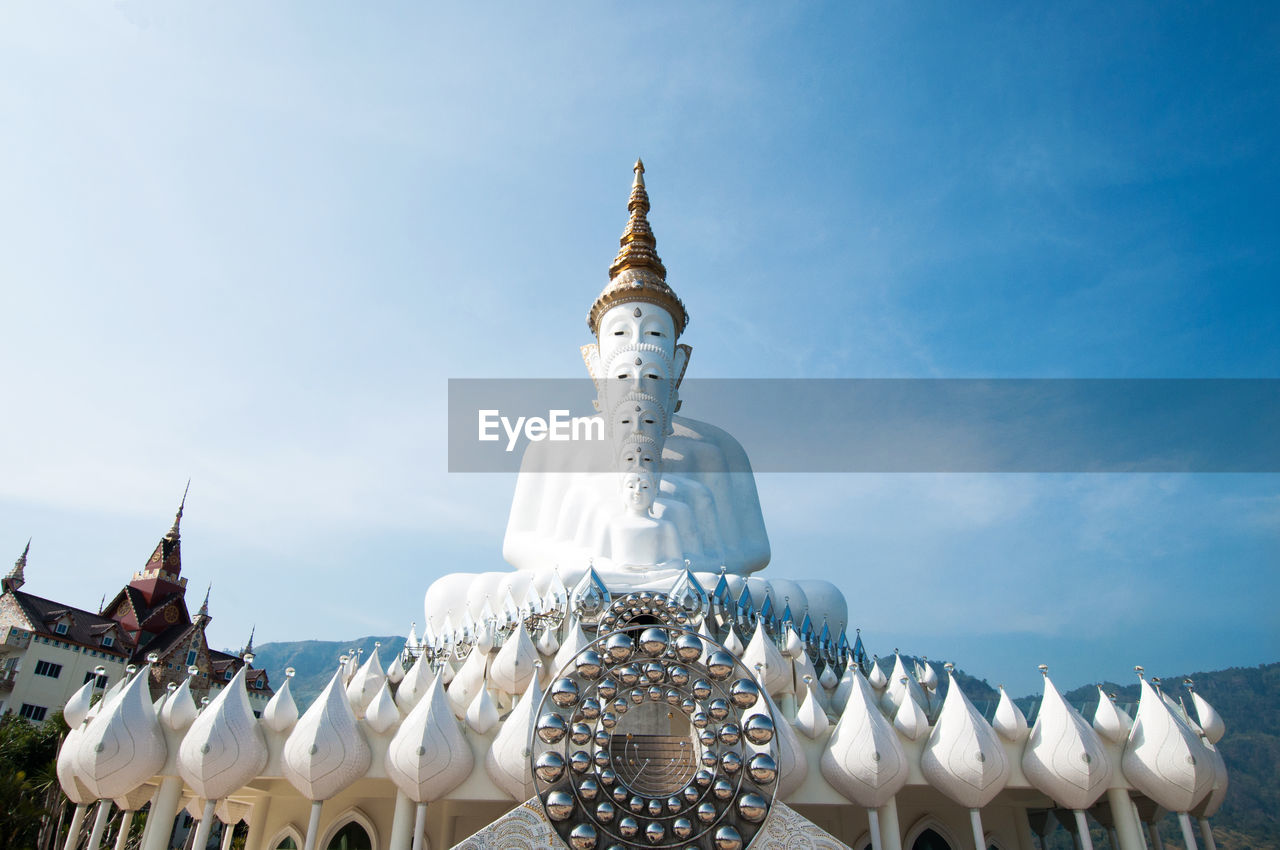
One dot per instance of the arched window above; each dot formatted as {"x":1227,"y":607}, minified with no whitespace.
{"x":287,"y":838}
{"x":929,"y":833}
{"x":352,"y":830}
{"x":350,"y":837}
{"x":930,"y":840}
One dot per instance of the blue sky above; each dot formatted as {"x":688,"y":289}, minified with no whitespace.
{"x":249,"y":244}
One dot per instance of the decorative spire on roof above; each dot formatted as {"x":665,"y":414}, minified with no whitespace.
{"x":177,"y":520}
{"x":204,"y":606}
{"x":15,"y":579}
{"x":637,"y":273}
{"x":248,"y":647}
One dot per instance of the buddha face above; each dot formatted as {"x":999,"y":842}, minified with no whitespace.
{"x":639,"y":490}
{"x":639,"y":371}
{"x":636,"y":322}
{"x":639,"y":414}
{"x":639,"y":454}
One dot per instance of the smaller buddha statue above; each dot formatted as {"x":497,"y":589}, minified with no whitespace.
{"x":639,"y":540}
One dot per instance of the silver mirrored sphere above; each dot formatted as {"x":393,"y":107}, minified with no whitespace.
{"x":590,"y":665}
{"x":688,"y":647}
{"x":720,"y":665}
{"x":758,"y":728}
{"x":549,"y":766}
{"x":745,"y":693}
{"x":728,"y":838}
{"x":559,"y":805}
{"x":619,"y":647}
{"x":551,"y":728}
{"x":653,"y":641}
{"x":753,"y":807}
{"x":762,"y":768}
{"x":564,"y":692}
{"x":582,"y":837}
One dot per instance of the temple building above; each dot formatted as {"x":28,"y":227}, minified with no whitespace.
{"x":49,"y":650}
{"x":637,"y":676}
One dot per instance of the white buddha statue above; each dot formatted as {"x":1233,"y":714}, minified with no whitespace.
{"x":660,"y":492}
{"x":570,"y":519}
{"x":639,"y":540}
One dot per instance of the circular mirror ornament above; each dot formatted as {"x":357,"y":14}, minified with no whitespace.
{"x":654,"y":736}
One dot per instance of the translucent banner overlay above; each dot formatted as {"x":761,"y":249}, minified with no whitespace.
{"x":892,"y":425}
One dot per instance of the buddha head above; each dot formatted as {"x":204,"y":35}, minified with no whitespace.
{"x":639,"y":488}
{"x":635,"y":362}
{"x":638,"y":413}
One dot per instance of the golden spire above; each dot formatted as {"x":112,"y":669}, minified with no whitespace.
{"x":637,"y":273}
{"x":638,"y":247}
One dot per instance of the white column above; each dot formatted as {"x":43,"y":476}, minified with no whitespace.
{"x":73,"y":831}
{"x":401,"y":823}
{"x":205,"y":825}
{"x":164,"y":808}
{"x":1082,"y":825}
{"x":890,"y":831}
{"x":979,"y":839}
{"x":420,"y":827}
{"x":126,"y":821}
{"x":313,"y":826}
{"x":1188,"y":834}
{"x":1153,"y":830}
{"x":1206,"y":832}
{"x":228,"y":830}
{"x":1125,"y":816}
{"x":99,"y":824}
{"x":873,"y":823}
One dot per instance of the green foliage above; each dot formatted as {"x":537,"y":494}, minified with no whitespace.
{"x":28,"y":776}
{"x":25,"y":746}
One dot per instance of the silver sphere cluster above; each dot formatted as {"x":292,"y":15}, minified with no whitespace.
{"x":606,"y":788}
{"x":646,"y":604}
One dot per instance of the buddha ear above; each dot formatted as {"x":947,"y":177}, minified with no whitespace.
{"x":683,"y":353}
{"x":591,"y":357}
{"x":679,"y":363}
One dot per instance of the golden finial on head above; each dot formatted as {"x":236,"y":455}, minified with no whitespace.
{"x":637,"y":272}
